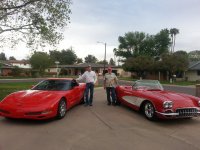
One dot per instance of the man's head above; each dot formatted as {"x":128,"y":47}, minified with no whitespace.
{"x":109,"y":70}
{"x":89,"y":68}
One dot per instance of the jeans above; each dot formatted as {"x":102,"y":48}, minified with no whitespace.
{"x":111,"y":90}
{"x":89,"y":88}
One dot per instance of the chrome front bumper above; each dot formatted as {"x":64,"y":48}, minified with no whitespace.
{"x":181,"y":113}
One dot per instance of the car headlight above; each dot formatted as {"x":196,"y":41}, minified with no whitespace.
{"x":167,"y":104}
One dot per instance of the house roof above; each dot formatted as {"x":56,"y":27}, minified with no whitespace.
{"x":84,"y":65}
{"x":194,"y":65}
{"x":5,"y":65}
{"x":17,"y":62}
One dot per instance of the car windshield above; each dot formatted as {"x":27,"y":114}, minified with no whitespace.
{"x":148,"y":85}
{"x":53,"y":85}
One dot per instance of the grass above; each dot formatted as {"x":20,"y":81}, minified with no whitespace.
{"x":7,"y":88}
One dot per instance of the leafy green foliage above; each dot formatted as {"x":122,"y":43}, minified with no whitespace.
{"x":3,"y":56}
{"x":134,"y":44}
{"x":194,"y":55}
{"x":65,"y":57}
{"x":79,"y":60}
{"x":103,"y":62}
{"x":40,"y":61}
{"x":35,"y":22}
{"x":12,"y":58}
{"x":91,"y":59}
{"x":112,"y":62}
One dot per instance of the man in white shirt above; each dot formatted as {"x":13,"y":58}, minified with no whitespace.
{"x":90,"y":79}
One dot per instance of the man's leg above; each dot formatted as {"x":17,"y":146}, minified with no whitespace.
{"x":91,"y":93}
{"x":86,"y":94}
{"x":113,"y":94}
{"x":108,"y":95}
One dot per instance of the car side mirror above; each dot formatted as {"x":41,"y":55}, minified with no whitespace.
{"x":74,"y":83}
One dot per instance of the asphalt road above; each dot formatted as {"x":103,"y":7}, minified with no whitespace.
{"x":100,"y":127}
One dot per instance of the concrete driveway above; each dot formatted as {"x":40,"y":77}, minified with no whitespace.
{"x":100,"y":127}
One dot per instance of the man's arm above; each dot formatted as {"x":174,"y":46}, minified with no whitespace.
{"x":81,"y":77}
{"x":95,"y":78}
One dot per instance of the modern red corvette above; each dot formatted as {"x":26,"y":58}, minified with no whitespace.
{"x":49,"y":98}
{"x":149,"y":97}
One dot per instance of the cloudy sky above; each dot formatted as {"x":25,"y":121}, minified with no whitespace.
{"x":105,"y":20}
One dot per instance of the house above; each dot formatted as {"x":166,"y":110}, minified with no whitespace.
{"x":5,"y":69}
{"x":193,"y":72}
{"x":24,"y":64}
{"x":77,"y":69}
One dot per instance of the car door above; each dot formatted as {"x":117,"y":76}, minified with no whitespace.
{"x":132,"y":97}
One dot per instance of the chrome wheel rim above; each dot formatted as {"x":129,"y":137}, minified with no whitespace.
{"x":149,"y":110}
{"x":62,"y":109}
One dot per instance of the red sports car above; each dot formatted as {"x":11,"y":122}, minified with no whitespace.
{"x":49,"y":98}
{"x":149,"y":97}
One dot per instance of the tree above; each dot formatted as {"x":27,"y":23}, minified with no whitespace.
{"x":112,"y":62}
{"x":130,"y":44}
{"x":176,"y":62}
{"x":134,"y":44}
{"x":140,"y":64}
{"x":79,"y":60}
{"x":3,"y":56}
{"x":65,"y":57}
{"x":103,"y":62}
{"x":194,"y":55}
{"x":91,"y":59}
{"x":40,"y":61}
{"x":33,"y":21}
{"x":12,"y":58}
{"x":173,"y":33}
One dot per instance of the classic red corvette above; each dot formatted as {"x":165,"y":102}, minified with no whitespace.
{"x":49,"y":98}
{"x":149,"y":97}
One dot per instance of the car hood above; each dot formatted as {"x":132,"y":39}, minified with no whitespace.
{"x":33,"y":98}
{"x":179,"y":99}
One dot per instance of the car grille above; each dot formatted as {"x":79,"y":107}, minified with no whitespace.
{"x":187,"y":112}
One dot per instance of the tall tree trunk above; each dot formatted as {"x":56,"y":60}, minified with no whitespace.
{"x":174,"y":42}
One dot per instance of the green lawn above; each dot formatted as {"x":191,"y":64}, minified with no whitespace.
{"x":7,"y":88}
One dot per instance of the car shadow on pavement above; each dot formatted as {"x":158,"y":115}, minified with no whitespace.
{"x":26,"y":121}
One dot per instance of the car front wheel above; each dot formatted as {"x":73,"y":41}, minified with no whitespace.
{"x":149,"y":111}
{"x":62,"y":109}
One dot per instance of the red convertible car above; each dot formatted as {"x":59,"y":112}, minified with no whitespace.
{"x":48,"y":99}
{"x":149,"y":97}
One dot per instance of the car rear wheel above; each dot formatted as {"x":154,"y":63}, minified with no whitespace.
{"x":62,"y":109}
{"x":149,"y":111}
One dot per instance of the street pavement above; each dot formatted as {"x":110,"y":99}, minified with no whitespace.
{"x":100,"y":127}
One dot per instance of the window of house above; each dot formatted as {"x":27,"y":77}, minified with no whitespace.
{"x":198,"y":72}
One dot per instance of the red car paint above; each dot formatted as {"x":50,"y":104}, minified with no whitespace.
{"x":135,"y":98}
{"x":29,"y":104}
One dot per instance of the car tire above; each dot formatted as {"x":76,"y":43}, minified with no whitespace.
{"x":149,"y":111}
{"x":62,"y":109}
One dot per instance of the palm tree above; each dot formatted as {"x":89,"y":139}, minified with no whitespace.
{"x":173,"y":32}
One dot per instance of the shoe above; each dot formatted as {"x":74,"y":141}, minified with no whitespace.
{"x":108,"y":103}
{"x":90,"y":104}
{"x":114,"y":104}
